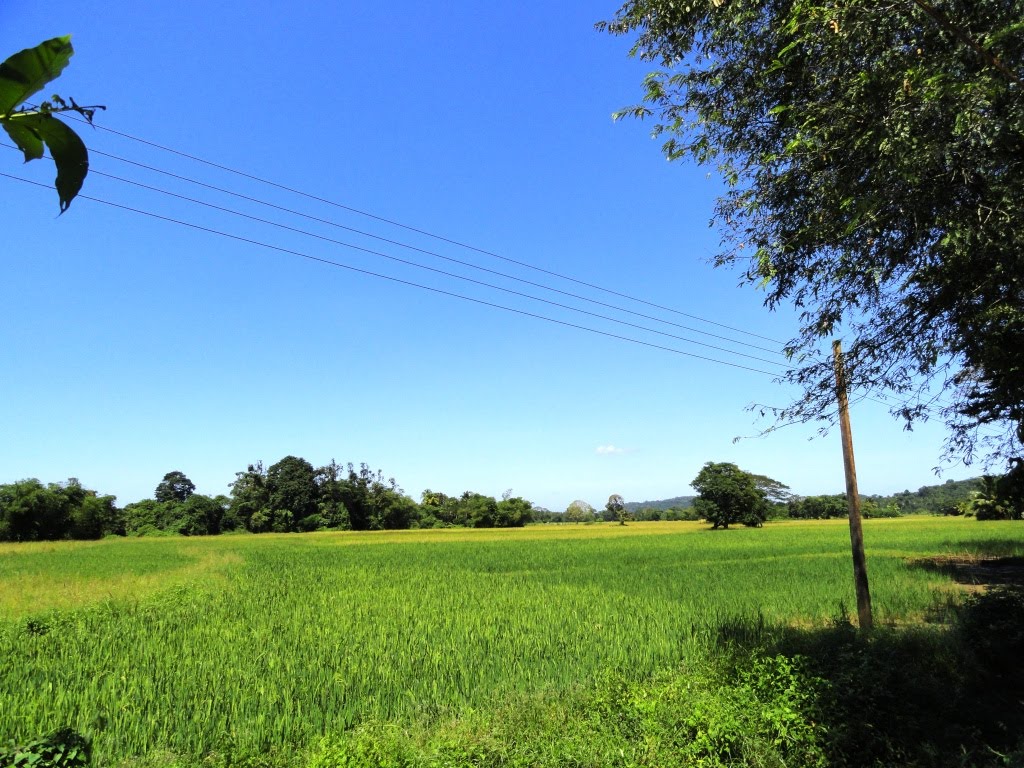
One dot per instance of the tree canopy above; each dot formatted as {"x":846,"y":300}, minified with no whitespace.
{"x":729,"y":495}
{"x":31,"y":511}
{"x":174,"y":487}
{"x":615,"y":509}
{"x":874,"y":156}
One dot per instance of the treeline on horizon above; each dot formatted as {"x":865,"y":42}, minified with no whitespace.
{"x":294,"y":496}
{"x":290,"y":496}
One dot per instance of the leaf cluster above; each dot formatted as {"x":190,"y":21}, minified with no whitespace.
{"x":63,"y":748}
{"x":874,"y":157}
{"x":32,"y":129}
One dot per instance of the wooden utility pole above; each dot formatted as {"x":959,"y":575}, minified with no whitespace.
{"x":860,"y":569}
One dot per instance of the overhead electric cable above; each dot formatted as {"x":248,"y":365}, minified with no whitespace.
{"x":410,"y":283}
{"x":420,"y":250}
{"x":417,"y":230}
{"x":433,"y":269}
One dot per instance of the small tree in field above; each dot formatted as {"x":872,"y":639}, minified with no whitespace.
{"x":579,"y":512}
{"x":729,"y":495}
{"x":616,"y":508}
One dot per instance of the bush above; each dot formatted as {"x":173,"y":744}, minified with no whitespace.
{"x":759,"y":714}
{"x":63,"y":748}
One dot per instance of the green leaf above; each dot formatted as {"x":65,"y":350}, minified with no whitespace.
{"x":66,"y":148}
{"x":27,"y":71}
{"x":28,"y":141}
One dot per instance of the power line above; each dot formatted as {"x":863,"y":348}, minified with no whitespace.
{"x":458,"y":243}
{"x":419,"y":231}
{"x":410,"y":283}
{"x":433,"y":269}
{"x":417,"y":249}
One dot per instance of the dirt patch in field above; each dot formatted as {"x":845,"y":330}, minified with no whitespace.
{"x":976,"y":571}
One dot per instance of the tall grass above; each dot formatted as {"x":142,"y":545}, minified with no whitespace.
{"x":252,"y":643}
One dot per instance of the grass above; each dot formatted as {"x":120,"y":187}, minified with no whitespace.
{"x":262,"y":647}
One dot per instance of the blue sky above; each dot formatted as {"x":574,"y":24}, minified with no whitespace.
{"x":133,"y":346}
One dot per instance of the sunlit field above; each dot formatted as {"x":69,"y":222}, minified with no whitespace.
{"x":190,"y":646}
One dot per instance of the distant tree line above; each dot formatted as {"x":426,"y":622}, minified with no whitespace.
{"x":730,"y":495}
{"x":289,"y":496}
{"x":31,"y":511}
{"x":293,"y":496}
{"x":943,"y":498}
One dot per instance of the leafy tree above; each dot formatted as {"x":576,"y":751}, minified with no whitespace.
{"x":477,"y":510}
{"x":23,"y":75}
{"x":646,"y":514}
{"x":174,"y":487}
{"x":293,"y":493}
{"x":357,"y":494}
{"x":368,"y":496}
{"x":329,"y":480}
{"x":871,"y":508}
{"x":777,"y":494}
{"x":579,"y":511}
{"x":143,"y":516}
{"x":198,"y":515}
{"x":615,"y":509}
{"x":513,"y":512}
{"x":31,"y":511}
{"x":390,"y":509}
{"x":438,"y":509}
{"x":92,"y":516}
{"x":1000,"y":497}
{"x":250,"y":498}
{"x":819,"y":507}
{"x":729,"y":495}
{"x":872,"y":153}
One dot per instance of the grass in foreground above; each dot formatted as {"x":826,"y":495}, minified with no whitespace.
{"x":313,"y":649}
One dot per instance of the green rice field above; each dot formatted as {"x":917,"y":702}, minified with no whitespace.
{"x":257,"y":645}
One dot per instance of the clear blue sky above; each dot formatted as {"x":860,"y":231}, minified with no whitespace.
{"x":133,"y":346}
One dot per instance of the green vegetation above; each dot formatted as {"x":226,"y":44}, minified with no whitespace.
{"x":663,"y":505}
{"x":615,"y":509}
{"x":23,"y":75}
{"x":871,"y":153}
{"x":935,"y":499}
{"x":293,"y":496}
{"x":729,"y":495}
{"x":999,"y":498}
{"x":290,"y":496}
{"x":30,"y":511}
{"x":64,"y":748}
{"x":651,"y":644}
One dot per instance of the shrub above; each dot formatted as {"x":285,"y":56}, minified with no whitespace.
{"x":62,"y":748}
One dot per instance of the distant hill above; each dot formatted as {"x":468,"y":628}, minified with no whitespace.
{"x":932,"y":498}
{"x":676,"y":502}
{"x":929,"y":498}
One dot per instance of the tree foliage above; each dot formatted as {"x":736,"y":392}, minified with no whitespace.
{"x":874,"y":156}
{"x":615,"y":509}
{"x":22,"y":76}
{"x":819,"y":507}
{"x":174,"y":487}
{"x":729,"y":495}
{"x":31,"y":511}
{"x":579,"y":511}
{"x":1000,"y":497}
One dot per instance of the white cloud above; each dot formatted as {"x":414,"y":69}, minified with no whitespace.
{"x":607,"y":450}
